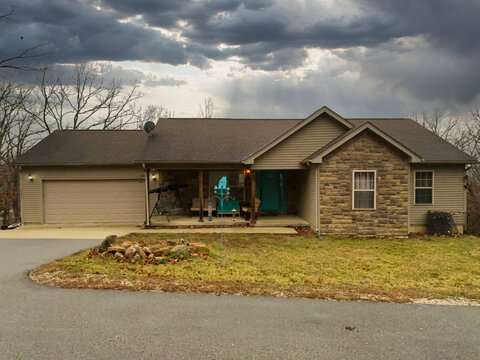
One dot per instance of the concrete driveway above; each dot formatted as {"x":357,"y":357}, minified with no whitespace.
{"x":100,"y":232}
{"x":39,"y":322}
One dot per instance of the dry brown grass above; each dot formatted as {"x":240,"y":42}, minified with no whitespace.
{"x":397,"y":270}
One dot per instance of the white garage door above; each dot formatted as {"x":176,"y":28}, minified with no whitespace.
{"x":94,"y":201}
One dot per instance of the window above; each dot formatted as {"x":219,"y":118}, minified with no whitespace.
{"x":235,"y":181}
{"x":423,"y":187}
{"x":364,"y":189}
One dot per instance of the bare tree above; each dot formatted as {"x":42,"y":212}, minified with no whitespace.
{"x":471,"y":141}
{"x":447,"y":127}
{"x":153,"y":113}
{"x":472,"y":131}
{"x":15,"y":124}
{"x":16,"y":133}
{"x":206,"y":109}
{"x":33,"y":52}
{"x":84,"y":100}
{"x":461,"y":131}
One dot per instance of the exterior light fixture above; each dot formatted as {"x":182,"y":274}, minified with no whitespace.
{"x":247,"y":172}
{"x":154,"y":176}
{"x":30,"y":177}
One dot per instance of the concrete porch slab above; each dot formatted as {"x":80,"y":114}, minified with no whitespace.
{"x":262,"y":221}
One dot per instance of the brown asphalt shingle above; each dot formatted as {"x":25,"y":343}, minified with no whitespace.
{"x":418,"y":139}
{"x":86,"y":147}
{"x":209,"y":140}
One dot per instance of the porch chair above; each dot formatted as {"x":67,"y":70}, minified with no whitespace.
{"x":196,"y":206}
{"x":248,"y":209}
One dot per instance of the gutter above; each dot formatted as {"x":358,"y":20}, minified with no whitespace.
{"x":76,"y":164}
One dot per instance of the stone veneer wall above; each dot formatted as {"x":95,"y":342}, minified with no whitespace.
{"x":365,"y":152}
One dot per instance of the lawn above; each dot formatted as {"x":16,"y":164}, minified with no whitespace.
{"x":397,"y":270}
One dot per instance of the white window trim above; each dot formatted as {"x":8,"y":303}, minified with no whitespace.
{"x":374,"y":190}
{"x":422,"y":187}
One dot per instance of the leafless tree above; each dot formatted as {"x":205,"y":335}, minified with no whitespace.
{"x":447,"y":127}
{"x":83,"y":100}
{"x":16,"y":135}
{"x":153,"y":113}
{"x":16,"y":125}
{"x":206,"y":109}
{"x":31,"y":53}
{"x":461,"y":131}
{"x":471,"y":138}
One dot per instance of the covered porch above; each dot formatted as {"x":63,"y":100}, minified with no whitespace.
{"x":180,"y":197}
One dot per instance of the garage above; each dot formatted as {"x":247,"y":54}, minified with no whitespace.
{"x":94,"y":201}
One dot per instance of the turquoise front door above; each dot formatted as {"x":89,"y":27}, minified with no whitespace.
{"x":271,"y":189}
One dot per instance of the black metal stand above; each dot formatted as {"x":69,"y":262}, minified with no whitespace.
{"x":165,"y":208}
{"x":160,"y":207}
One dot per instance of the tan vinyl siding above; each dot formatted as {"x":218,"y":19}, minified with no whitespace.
{"x":307,"y":200}
{"x":153,"y":201}
{"x":32,"y":207}
{"x":289,"y":153}
{"x":448,"y":195}
{"x":31,"y":199}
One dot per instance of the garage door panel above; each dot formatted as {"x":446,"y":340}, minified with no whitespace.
{"x":94,"y":201}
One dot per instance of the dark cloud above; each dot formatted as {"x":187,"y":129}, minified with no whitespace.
{"x":452,"y":24}
{"x":268,"y":35}
{"x":104,"y":72}
{"x":78,"y":32}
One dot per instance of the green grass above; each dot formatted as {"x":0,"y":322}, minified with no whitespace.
{"x":394,"y":269}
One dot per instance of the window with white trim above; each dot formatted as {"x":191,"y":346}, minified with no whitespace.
{"x":364,"y":189}
{"x":423,"y":187}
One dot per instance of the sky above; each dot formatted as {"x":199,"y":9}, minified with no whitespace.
{"x":266,"y":58}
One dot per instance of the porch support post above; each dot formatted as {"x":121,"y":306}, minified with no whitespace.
{"x":200,"y":194}
{"x":253,"y":220}
{"x":147,"y":197}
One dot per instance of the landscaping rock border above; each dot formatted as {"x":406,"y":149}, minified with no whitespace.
{"x":135,"y":253}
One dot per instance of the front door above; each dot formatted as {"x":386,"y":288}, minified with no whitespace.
{"x":271,"y":189}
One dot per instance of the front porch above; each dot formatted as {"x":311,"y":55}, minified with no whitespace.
{"x":179,"y":198}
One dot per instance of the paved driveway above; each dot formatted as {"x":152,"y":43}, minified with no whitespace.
{"x":100,"y":232}
{"x":39,"y":322}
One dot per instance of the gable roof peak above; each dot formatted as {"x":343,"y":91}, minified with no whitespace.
{"x":301,"y":124}
{"x":326,"y":110}
{"x":317,"y":157}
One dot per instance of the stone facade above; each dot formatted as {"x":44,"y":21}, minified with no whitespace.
{"x":365,"y":152}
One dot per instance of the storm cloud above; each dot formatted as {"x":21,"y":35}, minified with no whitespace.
{"x":425,"y":50}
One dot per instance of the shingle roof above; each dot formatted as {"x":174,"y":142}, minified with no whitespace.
{"x":418,"y":139}
{"x":86,"y":147}
{"x":211,"y":140}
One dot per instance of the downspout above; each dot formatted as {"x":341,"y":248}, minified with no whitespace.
{"x":465,"y":199}
{"x":317,"y":199}
{"x":147,"y":196}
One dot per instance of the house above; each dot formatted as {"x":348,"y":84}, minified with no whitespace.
{"x":340,"y":176}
